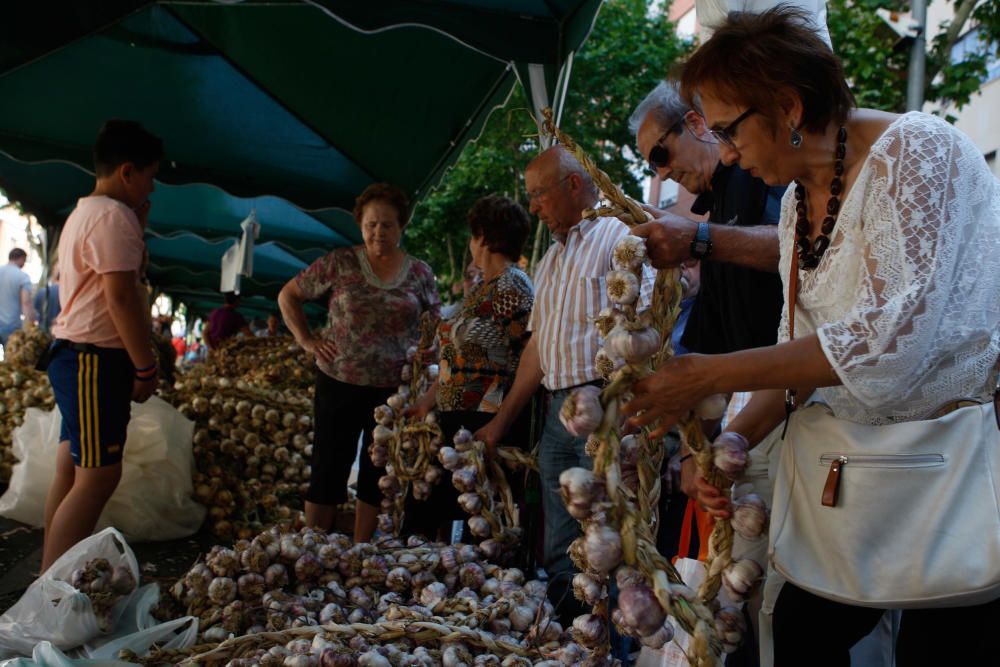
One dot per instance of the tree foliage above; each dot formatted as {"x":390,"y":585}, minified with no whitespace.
{"x":628,"y":51}
{"x":631,"y":49}
{"x":876,"y":60}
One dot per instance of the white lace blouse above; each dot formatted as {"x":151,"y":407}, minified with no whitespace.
{"x":906,"y":300}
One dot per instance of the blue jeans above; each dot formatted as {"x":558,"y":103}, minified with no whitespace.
{"x":558,"y":451}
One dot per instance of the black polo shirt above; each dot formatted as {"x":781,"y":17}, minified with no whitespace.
{"x":737,"y":308}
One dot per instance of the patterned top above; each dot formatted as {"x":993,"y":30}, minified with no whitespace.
{"x":904,"y":301}
{"x":371,"y":322}
{"x":571,"y":292}
{"x":482,"y":343}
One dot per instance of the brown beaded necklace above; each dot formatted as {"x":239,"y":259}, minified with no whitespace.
{"x":810,"y":253}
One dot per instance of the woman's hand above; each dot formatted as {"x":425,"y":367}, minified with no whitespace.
{"x":324,"y":350}
{"x":669,"y":394}
{"x":709,"y":497}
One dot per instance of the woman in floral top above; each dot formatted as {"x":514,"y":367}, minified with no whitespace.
{"x":375,"y":294}
{"x":480,"y":345}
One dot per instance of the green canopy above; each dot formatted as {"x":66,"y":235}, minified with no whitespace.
{"x":287,"y":107}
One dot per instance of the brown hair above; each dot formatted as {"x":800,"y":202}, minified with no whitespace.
{"x":383,"y":192}
{"x":752,"y":59}
{"x":502,"y":223}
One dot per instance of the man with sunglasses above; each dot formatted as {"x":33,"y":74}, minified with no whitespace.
{"x":740,"y":300}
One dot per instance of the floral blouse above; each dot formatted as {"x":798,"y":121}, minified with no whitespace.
{"x":371,"y":322}
{"x":482,"y":343}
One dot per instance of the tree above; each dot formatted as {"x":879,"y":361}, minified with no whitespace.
{"x":876,"y":61}
{"x":627,"y":53}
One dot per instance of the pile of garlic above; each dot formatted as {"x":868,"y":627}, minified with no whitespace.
{"x":251,"y":450}
{"x":269,"y":363}
{"x":287,"y":578}
{"x":23,"y":387}
{"x":105,"y":585}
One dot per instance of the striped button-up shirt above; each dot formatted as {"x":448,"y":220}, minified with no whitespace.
{"x":570,"y":291}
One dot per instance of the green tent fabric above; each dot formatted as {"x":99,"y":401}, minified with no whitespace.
{"x":290,"y":107}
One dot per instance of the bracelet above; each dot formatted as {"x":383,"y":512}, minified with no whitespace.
{"x":145,"y":379}
{"x":146,"y":369}
{"x":142,"y":375}
{"x":685,"y":458}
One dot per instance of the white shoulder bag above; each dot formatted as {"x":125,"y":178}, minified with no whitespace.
{"x":899,"y":516}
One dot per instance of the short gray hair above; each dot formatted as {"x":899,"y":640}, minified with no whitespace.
{"x":568,"y":164}
{"x":664,"y":103}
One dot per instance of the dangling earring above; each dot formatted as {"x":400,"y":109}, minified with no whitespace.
{"x":795,"y":138}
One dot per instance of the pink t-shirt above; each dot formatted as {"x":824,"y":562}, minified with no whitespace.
{"x":101,"y":235}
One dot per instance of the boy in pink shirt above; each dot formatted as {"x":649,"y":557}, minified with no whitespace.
{"x":102,"y":358}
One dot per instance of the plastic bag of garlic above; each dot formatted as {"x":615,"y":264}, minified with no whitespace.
{"x":89,"y":593}
{"x":153,"y":500}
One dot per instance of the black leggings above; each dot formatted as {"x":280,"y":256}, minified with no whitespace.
{"x":341,"y":412}
{"x":810,"y":630}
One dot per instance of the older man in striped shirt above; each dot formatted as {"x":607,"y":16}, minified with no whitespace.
{"x":569,"y":293}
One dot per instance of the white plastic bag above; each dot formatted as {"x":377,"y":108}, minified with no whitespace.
{"x":47,"y":655}
{"x":137,"y":630}
{"x":52,"y":610}
{"x":153,"y":499}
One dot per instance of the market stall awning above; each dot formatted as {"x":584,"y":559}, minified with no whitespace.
{"x":303,"y":101}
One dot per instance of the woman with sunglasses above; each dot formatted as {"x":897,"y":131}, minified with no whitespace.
{"x":890,"y":259}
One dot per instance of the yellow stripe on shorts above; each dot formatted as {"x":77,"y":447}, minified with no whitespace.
{"x":95,"y":406}
{"x":80,"y":388}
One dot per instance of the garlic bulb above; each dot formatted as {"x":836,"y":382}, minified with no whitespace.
{"x":623,"y":287}
{"x":588,"y":589}
{"x":470,"y":502}
{"x":629,"y":253}
{"x":639,"y":612}
{"x":740,"y":577}
{"x":590,"y":630}
{"x":749,"y":516}
{"x":731,"y":454}
{"x":581,"y":412}
{"x":580,"y":489}
{"x":606,"y":365}
{"x":730,"y":628}
{"x":603,"y":548}
{"x":464,"y":479}
{"x":222,"y":590}
{"x":634,"y":346}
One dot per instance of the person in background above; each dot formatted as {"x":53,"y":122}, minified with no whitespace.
{"x":479,"y":348}
{"x":570,"y":292}
{"x":272,"y":328}
{"x":102,"y":358}
{"x":225,"y":322}
{"x":375,"y":294}
{"x":15,"y":295}
{"x":46,"y":302}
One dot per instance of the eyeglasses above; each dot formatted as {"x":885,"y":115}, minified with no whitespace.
{"x":540,"y":192}
{"x":726,"y":134}
{"x":659,"y":155}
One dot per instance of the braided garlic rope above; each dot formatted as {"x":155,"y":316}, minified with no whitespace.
{"x":637,"y":518}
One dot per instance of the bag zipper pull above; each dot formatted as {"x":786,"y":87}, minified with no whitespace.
{"x":832,"y":487}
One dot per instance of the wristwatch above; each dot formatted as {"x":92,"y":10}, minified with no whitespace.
{"x":701,"y":246}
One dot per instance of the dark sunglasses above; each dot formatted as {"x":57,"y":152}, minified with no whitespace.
{"x":659,"y":155}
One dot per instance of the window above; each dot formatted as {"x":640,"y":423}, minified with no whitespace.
{"x":668,"y":194}
{"x":971,"y":43}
